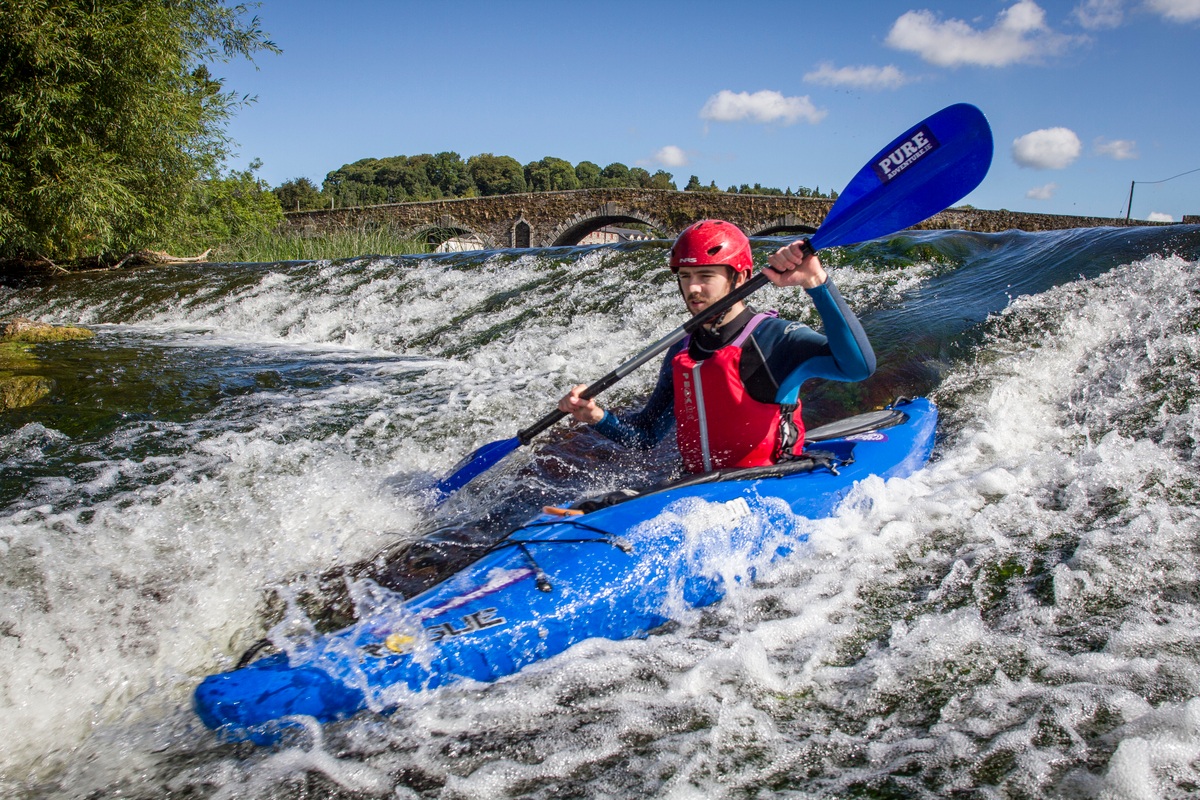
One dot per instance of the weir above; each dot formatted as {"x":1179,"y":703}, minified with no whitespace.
{"x":553,"y":219}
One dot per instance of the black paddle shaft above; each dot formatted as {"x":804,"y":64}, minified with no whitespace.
{"x":720,"y":307}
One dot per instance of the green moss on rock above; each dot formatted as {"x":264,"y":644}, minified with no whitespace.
{"x":20,"y":385}
{"x":18,"y":391}
{"x":30,"y":332}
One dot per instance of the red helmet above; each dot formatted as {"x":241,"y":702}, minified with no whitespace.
{"x":712,"y":242}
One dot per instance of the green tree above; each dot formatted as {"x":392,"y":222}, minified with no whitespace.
{"x":223,"y":209}
{"x":386,"y":175}
{"x":662,"y":180}
{"x":108,"y":117}
{"x":448,"y":172}
{"x":588,"y":175}
{"x":354,"y":185}
{"x":496,"y":174}
{"x":415,"y":179}
{"x":550,"y":174}
{"x":694,"y":185}
{"x":298,"y":194}
{"x":404,"y":178}
{"x":615,"y":176}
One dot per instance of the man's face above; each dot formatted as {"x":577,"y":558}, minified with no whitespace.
{"x":703,"y":286}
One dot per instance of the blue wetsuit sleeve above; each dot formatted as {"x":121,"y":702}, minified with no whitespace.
{"x":848,"y":356}
{"x":645,"y":428}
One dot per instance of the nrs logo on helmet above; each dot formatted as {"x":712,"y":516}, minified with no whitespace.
{"x":712,"y":242}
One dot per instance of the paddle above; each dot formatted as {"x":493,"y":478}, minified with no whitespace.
{"x":921,"y":172}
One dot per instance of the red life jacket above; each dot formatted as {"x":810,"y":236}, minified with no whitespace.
{"x":717,"y":423}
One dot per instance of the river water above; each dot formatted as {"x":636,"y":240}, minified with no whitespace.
{"x":1020,"y":619}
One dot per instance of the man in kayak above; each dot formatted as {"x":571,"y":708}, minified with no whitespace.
{"x":731,"y":388}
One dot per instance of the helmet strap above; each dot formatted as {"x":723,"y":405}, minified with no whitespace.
{"x":733,"y":284}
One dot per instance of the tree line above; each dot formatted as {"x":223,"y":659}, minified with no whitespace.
{"x":113,"y":139}
{"x":446,"y":175}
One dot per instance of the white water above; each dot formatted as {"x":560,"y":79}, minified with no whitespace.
{"x":1022,"y":618}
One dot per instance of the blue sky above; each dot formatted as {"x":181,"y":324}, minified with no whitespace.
{"x":1083,"y":96}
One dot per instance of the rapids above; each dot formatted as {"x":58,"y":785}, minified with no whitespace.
{"x":1020,"y":619}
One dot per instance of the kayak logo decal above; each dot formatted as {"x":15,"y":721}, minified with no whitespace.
{"x":400,"y":643}
{"x":921,"y":143}
{"x":472,"y":623}
{"x":404,"y":643}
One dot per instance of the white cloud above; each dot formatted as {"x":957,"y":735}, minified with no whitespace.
{"x":1020,"y":35}
{"x":671,"y":156}
{"x":861,"y":77}
{"x":1176,"y":10}
{"x":1118,"y":149}
{"x":1042,"y":192}
{"x":1099,"y":14}
{"x":1158,"y":216}
{"x":1050,"y":148}
{"x":763,"y":106}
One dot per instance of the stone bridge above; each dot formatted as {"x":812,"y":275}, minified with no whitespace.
{"x":549,"y":219}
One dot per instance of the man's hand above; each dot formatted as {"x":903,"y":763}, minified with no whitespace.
{"x":791,"y":266}
{"x":582,"y":410}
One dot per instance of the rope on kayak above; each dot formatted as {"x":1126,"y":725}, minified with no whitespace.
{"x":605,"y":537}
{"x":543,"y":581}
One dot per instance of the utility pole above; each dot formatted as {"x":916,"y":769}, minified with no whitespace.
{"x":1129,"y":209}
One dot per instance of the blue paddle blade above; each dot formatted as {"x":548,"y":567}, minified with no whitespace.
{"x":926,"y":169}
{"x":478,"y":462}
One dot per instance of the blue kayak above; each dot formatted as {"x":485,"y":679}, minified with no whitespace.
{"x":614,"y":569}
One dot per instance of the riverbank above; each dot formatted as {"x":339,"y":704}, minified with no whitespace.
{"x":283,"y":244}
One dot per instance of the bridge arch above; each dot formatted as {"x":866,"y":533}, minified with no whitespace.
{"x":448,"y":233}
{"x":787,"y":223}
{"x":580,"y":225}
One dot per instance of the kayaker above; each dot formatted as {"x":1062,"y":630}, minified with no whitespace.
{"x":731,"y":388}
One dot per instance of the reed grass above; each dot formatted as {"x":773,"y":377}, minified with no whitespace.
{"x":287,"y":244}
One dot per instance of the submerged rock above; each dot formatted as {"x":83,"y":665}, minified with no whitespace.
{"x":20,"y":329}
{"x":20,"y":386}
{"x":18,"y":391}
